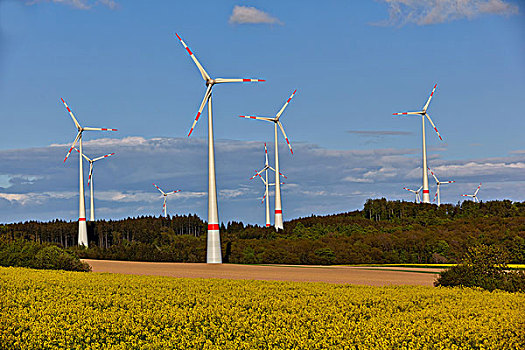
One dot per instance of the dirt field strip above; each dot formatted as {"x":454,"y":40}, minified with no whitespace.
{"x":362,"y":275}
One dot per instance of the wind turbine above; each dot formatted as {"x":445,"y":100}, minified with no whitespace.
{"x":266,"y":183}
{"x":213,"y":250}
{"x":275,"y":120}
{"x":438,"y":184}
{"x":165,"y":195}
{"x":474,"y":196}
{"x":82,"y":227}
{"x":418,"y":198}
{"x":423,"y":113}
{"x":90,"y":181}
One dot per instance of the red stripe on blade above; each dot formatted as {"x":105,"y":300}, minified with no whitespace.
{"x":213,"y":227}
{"x":246,"y":80}
{"x":189,"y":51}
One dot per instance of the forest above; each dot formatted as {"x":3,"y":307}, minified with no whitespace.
{"x":383,"y":232}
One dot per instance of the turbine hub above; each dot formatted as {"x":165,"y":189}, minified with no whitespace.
{"x":210,"y":82}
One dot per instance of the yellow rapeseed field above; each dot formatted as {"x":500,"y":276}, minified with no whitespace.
{"x":71,"y":310}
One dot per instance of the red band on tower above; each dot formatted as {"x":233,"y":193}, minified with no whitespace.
{"x":213,"y":227}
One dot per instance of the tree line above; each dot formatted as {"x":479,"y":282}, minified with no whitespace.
{"x":383,"y":232}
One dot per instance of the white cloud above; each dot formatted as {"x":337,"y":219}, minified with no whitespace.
{"x":251,"y":15}
{"x":355,"y":179}
{"x":425,"y":12}
{"x":79,"y":4}
{"x":142,"y":196}
{"x":320,"y":180}
{"x":481,"y":168}
{"x":35,"y":198}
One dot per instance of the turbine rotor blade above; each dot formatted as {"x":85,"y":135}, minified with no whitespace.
{"x":73,"y":145}
{"x":102,"y":157}
{"x":435,"y":178}
{"x":237,"y":80}
{"x":203,"y":103}
{"x":279,"y":172}
{"x":258,"y":174}
{"x":99,"y":129}
{"x":429,"y":98}
{"x":285,"y":105}
{"x":90,"y":172}
{"x":83,"y":155}
{"x":286,"y":137}
{"x":268,"y":119}
{"x":477,"y":190}
{"x":265,"y":155}
{"x":408,"y":189}
{"x":431,"y":122}
{"x":203,"y":72}
{"x":172,"y":192}
{"x":408,"y":113}
{"x":158,"y":188}
{"x":71,"y":114}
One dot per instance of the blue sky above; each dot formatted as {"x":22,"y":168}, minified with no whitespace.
{"x":118,"y":64}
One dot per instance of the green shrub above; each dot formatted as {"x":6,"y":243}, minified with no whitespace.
{"x":54,"y":258}
{"x":39,"y":256}
{"x":485,"y":267}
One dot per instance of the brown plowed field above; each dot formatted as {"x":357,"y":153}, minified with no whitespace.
{"x":372,"y":276}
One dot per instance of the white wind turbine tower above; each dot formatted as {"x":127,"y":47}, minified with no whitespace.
{"x":213,"y":250}
{"x":474,"y":196}
{"x":266,"y":184}
{"x":165,"y":195}
{"x":438,"y":184}
{"x":418,"y":198}
{"x":423,"y":113}
{"x":90,"y":181}
{"x":82,"y":228}
{"x":275,"y":120}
